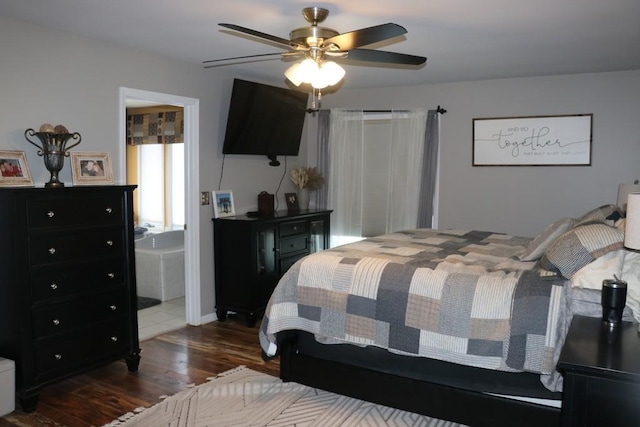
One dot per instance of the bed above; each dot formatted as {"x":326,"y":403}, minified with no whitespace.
{"x":460,"y":325}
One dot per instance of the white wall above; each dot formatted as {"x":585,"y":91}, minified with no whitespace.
{"x":523,"y":200}
{"x":55,"y":77}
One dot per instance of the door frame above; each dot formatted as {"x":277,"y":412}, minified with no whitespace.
{"x":191,"y":108}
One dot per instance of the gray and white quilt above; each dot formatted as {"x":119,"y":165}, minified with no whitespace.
{"x":460,"y":296}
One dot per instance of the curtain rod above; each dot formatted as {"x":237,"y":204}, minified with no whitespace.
{"x":439,"y":110}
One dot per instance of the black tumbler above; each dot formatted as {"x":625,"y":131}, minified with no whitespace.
{"x":614,"y":297}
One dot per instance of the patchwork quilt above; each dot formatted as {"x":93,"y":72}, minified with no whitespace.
{"x":456,"y":295}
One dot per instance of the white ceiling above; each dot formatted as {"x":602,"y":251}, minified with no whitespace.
{"x":463,"y":39}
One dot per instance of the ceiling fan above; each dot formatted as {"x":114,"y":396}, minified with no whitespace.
{"x":319,"y":45}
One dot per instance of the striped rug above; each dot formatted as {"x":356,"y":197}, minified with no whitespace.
{"x":243,"y":397}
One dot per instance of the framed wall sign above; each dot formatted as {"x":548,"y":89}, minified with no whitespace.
{"x":533,"y":141}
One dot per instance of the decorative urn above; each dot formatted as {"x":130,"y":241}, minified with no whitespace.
{"x":53,"y":147}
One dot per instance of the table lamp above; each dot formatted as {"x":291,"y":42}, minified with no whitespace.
{"x":632,"y":226}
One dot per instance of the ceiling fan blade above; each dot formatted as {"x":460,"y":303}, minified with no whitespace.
{"x":234,"y":58}
{"x":371,"y":55}
{"x":366,"y":36}
{"x":279,"y":40}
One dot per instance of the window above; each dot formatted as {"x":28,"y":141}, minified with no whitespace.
{"x":160,"y":186}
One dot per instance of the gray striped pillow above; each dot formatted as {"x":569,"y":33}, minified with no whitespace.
{"x":579,"y":246}
{"x":542,"y":241}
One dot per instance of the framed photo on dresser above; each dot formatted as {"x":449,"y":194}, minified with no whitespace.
{"x":91,"y":168}
{"x":223,"y":204}
{"x":14,"y":170}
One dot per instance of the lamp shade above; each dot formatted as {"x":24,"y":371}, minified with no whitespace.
{"x":319,"y":75}
{"x":632,"y":227}
{"x":623,"y":193}
{"x":302,"y":72}
{"x":334,"y":73}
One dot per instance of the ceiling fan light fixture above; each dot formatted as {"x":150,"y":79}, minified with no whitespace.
{"x":293,"y":74}
{"x":333,"y":72}
{"x":302,"y":72}
{"x":319,"y":75}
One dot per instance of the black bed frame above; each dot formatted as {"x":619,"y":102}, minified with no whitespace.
{"x":377,"y":376}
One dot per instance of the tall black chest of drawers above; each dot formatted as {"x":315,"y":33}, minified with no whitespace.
{"x":67,"y":283}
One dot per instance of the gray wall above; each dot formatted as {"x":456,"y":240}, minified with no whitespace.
{"x":56,"y":77}
{"x":523,"y":200}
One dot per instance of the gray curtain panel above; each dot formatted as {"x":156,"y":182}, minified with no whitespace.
{"x":324,"y":125}
{"x":429,"y":170}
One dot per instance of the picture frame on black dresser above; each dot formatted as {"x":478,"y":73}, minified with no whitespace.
{"x":14,"y":169}
{"x":91,"y":168}
{"x":292,"y":202}
{"x":223,"y":204}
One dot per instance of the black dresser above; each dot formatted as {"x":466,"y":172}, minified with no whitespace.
{"x":252,"y":253}
{"x":67,"y":283}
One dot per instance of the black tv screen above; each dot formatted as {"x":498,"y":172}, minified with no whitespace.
{"x":264,"y":119}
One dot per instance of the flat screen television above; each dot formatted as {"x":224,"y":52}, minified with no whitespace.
{"x":264,"y":120}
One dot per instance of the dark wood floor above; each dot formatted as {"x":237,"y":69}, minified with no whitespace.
{"x":170,"y":362}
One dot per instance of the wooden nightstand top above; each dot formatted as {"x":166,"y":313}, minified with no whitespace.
{"x":592,"y":348}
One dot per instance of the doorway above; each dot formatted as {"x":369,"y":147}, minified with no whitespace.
{"x":192,"y":214}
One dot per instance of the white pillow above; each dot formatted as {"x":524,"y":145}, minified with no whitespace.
{"x":605,"y":267}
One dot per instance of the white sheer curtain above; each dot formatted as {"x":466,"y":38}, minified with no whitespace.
{"x":345,"y":175}
{"x":405,"y":168}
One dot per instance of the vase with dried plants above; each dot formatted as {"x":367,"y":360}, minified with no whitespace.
{"x":307,"y":179}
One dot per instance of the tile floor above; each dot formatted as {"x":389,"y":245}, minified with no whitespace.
{"x":161,"y":318}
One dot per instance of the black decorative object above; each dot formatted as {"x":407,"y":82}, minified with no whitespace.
{"x":53,"y":147}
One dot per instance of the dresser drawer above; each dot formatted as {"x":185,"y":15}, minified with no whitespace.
{"x":73,"y":314}
{"x":103,"y":209}
{"x":51,"y":282}
{"x":71,"y":351}
{"x":294,"y":245}
{"x":292,"y":228}
{"x":286,"y":263}
{"x":63,"y":248}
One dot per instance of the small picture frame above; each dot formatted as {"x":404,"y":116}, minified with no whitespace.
{"x":14,"y":170}
{"x":292,"y":201}
{"x":91,"y":168}
{"x":223,"y":204}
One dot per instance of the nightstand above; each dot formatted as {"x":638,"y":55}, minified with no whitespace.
{"x":601,"y":369}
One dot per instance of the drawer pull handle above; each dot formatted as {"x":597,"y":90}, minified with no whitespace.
{"x":110,"y":242}
{"x":58,"y":356}
{"x":113,"y":307}
{"x":51,"y":214}
{"x":294,"y":228}
{"x":108,"y":210}
{"x":114,"y":339}
{"x":111,"y":275}
{"x":53,"y":286}
{"x":56,"y":322}
{"x":52,"y":251}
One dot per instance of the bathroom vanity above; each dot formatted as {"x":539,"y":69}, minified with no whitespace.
{"x":67,"y":283}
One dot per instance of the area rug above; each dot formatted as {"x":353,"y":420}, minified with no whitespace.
{"x":243,"y":397}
